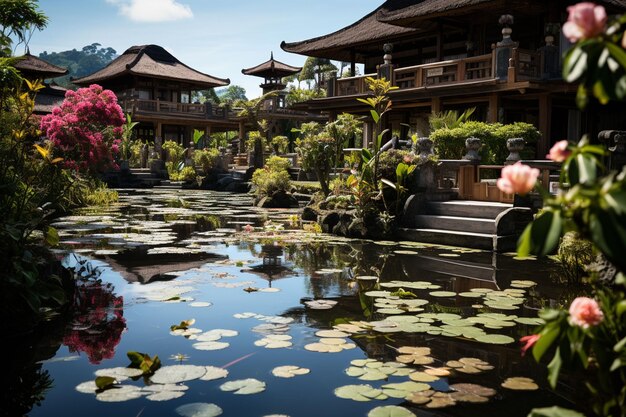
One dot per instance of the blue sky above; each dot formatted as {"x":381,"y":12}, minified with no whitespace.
{"x":218,"y":37}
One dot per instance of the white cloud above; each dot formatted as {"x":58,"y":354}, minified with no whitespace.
{"x":152,"y":10}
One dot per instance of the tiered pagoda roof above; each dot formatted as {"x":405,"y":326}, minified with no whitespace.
{"x":271,"y":69}
{"x":32,"y":67}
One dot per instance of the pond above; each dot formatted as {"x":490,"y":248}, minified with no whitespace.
{"x":251,"y":315}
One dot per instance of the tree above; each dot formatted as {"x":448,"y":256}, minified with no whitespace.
{"x":231,"y":94}
{"x":317,"y":70}
{"x":18,"y":18}
{"x":89,"y":59}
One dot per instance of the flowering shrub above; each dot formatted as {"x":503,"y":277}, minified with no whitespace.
{"x":518,"y":179}
{"x":86,"y":129}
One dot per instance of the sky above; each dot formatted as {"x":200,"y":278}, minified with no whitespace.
{"x":218,"y":37}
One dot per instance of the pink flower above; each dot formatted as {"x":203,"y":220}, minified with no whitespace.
{"x":559,"y":151}
{"x":585,"y":312}
{"x":529,"y":341}
{"x":248,"y":228}
{"x":517,"y":179}
{"x":586,"y":20}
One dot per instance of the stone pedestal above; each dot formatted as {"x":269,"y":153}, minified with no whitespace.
{"x":472,"y":145}
{"x":515,"y":146}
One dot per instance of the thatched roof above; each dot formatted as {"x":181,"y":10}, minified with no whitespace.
{"x":154,"y":62}
{"x":33,"y":67}
{"x":271,"y":68}
{"x":51,"y":96}
{"x":353,"y":41}
{"x":418,"y":10}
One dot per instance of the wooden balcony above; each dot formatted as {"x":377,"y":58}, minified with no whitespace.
{"x":524,"y":65}
{"x":170,"y":108}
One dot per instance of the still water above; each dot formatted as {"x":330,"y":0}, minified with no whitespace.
{"x":247,"y":277}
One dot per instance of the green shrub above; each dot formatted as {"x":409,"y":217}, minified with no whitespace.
{"x":389,"y":160}
{"x":175,"y":152}
{"x":273,"y":177}
{"x":206,"y":159}
{"x":574,"y":254}
{"x":185,"y":174}
{"x":135,"y":154}
{"x":450,"y":143}
{"x":280,"y":144}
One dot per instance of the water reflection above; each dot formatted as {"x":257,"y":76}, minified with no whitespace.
{"x":97,"y":320}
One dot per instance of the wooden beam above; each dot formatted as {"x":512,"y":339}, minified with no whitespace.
{"x":435,"y":105}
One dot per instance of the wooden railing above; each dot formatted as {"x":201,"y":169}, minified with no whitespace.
{"x":525,"y":65}
{"x":181,"y":109}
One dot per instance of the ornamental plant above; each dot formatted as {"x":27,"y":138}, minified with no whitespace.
{"x":86,"y":130}
{"x":591,"y":336}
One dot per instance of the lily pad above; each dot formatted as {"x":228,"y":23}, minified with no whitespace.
{"x":390,"y":411}
{"x":289,"y":371}
{"x":174,"y":374}
{"x":320,"y":304}
{"x":519,"y":383}
{"x":442,"y":294}
{"x":199,"y":410}
{"x":210,"y":345}
{"x":403,"y":389}
{"x":475,"y":389}
{"x":275,"y":341}
{"x":199,"y":304}
{"x":244,"y":386}
{"x":362,"y":392}
{"x":419,"y":376}
{"x":120,"y":373}
{"x":331,"y":333}
{"x":119,"y":394}
{"x":213,"y":372}
{"x":495,"y":339}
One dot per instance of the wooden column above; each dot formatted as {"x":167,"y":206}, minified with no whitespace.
{"x":242,"y":137}
{"x":435,"y":105}
{"x":159,"y":130}
{"x":545,"y":118}
{"x":493,"y":107}
{"x":352,"y":63}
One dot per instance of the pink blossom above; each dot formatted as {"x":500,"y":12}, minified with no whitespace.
{"x":586,"y":20}
{"x":585,"y":312}
{"x":559,"y":151}
{"x":517,"y":179}
{"x":529,"y":341}
{"x":248,"y":228}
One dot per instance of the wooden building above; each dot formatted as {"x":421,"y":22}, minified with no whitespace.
{"x":272,"y":72}
{"x":157,"y":90}
{"x":501,"y":56}
{"x":52,"y":95}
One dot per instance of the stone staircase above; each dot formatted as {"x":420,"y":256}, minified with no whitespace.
{"x":133,"y":178}
{"x":473,"y":224}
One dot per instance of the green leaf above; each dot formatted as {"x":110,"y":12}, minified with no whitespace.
{"x":104,"y":382}
{"x":541,"y":236}
{"x":586,"y":168}
{"x":548,"y":336}
{"x":135,"y":358}
{"x":616,"y":200}
{"x":554,"y":412}
{"x":582,"y":98}
{"x":524,"y":243}
{"x":609,"y":234}
{"x":52,"y":236}
{"x":619,"y":345}
{"x":375,"y":115}
{"x":554,"y":368}
{"x":549,"y":314}
{"x":618,"y":53}
{"x":617,"y":363}
{"x":388,"y":183}
{"x":575,"y":64}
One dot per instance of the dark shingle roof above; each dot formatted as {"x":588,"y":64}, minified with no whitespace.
{"x":31,"y":66}
{"x":271,"y":68}
{"x":416,"y":10}
{"x":155,"y":62}
{"x":337,"y":45}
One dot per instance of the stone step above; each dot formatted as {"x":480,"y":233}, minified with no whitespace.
{"x":455,"y":223}
{"x":465,"y":208}
{"x":463,"y":239}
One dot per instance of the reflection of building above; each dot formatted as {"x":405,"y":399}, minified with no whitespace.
{"x":452,"y":55}
{"x":157,"y":90}
{"x":272,"y":268}
{"x":52,"y":95}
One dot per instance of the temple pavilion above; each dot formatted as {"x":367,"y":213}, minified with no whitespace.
{"x":34,"y":68}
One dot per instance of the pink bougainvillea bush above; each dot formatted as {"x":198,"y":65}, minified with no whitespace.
{"x":86,"y":130}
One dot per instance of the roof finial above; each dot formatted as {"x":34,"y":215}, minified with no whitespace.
{"x":272,"y":55}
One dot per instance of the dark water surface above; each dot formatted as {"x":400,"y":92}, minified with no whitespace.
{"x":156,"y":254}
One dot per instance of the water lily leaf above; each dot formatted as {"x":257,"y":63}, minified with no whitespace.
{"x":403,"y":389}
{"x":420,"y":397}
{"x":210,"y":345}
{"x":390,"y":411}
{"x":213,"y":372}
{"x":324,"y":348}
{"x":174,"y":374}
{"x":473,"y":389}
{"x":331,"y":333}
{"x":184,"y":325}
{"x":275,"y":341}
{"x":362,"y":392}
{"x":144,"y":362}
{"x":199,"y":410}
{"x":520,"y":384}
{"x":199,"y":304}
{"x":442,"y":294}
{"x":87,"y":387}
{"x":422,"y":377}
{"x":120,"y":393}
{"x":443,"y":371}
{"x":441,"y":400}
{"x":164,"y":392}
{"x":244,"y":386}
{"x":531,"y":321}
{"x":320,"y":304}
{"x":289,"y":371}
{"x":377,"y":293}
{"x":496,"y":339}
{"x":522,"y":283}
{"x":120,"y":373}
